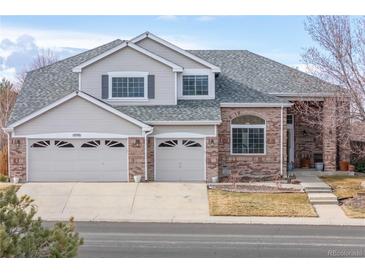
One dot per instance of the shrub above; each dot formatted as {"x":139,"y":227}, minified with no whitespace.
{"x":360,"y":166}
{"x":22,"y":235}
{"x":4,"y":178}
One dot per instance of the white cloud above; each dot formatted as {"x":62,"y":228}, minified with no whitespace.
{"x":58,"y":38}
{"x":8,"y":73}
{"x":311,"y":69}
{"x":205,"y":18}
{"x":167,"y":17}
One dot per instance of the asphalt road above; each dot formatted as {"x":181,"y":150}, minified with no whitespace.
{"x":219,"y":240}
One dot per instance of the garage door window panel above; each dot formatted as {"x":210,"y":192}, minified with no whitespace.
{"x":91,"y":144}
{"x":191,"y":143}
{"x":169,"y":143}
{"x":112,"y":143}
{"x":41,"y":144}
{"x":248,"y":135}
{"x":63,"y":144}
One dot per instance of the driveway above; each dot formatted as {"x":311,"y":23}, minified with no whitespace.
{"x":119,"y":201}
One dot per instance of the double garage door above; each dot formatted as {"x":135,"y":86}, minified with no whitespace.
{"x":180,"y":159}
{"x":78,"y":160}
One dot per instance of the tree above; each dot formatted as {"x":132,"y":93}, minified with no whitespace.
{"x":22,"y":235}
{"x":43,"y":58}
{"x":7,"y":99}
{"x":338,"y":58}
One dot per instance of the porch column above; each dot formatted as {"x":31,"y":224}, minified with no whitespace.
{"x":329,"y":134}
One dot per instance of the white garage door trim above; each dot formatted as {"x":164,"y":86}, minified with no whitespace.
{"x":124,"y":140}
{"x":180,"y":136}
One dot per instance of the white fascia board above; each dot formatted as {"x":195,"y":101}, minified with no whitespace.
{"x":184,"y":123}
{"x":177,"y":49}
{"x":255,"y":105}
{"x":179,"y":135}
{"x":174,"y":67}
{"x":77,"y":135}
{"x":88,"y":98}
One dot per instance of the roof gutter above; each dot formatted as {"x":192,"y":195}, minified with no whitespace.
{"x":256,"y":105}
{"x":184,"y":123}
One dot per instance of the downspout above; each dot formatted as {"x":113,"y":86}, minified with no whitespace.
{"x":146,"y":133}
{"x":281,"y":139}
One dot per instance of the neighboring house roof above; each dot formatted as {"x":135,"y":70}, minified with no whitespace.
{"x":263,"y":74}
{"x":245,"y":78}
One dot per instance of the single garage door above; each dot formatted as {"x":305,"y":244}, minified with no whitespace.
{"x":180,"y":160}
{"x":78,"y":160}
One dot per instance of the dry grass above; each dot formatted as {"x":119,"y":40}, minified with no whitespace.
{"x":344,"y":186}
{"x":225,"y":203}
{"x":353,"y":212}
{"x":5,"y":186}
{"x":347,"y":187}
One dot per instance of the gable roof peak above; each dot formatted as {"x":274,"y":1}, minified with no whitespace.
{"x":167,"y":44}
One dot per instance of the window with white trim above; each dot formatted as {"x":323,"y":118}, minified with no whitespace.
{"x":195,"y":85}
{"x":248,"y":135}
{"x":128,"y":85}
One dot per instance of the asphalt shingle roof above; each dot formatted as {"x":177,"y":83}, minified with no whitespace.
{"x":245,"y":78}
{"x":263,"y":74}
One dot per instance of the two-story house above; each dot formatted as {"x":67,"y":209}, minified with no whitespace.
{"x":147,"y":107}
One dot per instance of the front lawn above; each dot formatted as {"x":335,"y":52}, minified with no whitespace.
{"x":226,"y":203}
{"x":346,"y":188}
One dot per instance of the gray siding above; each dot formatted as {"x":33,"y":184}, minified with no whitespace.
{"x":204,"y":129}
{"x":77,"y":115}
{"x":129,"y":59}
{"x":170,"y":54}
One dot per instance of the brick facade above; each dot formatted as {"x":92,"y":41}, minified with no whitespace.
{"x":211,"y":158}
{"x":136,"y":158}
{"x":151,"y":158}
{"x":255,"y":167}
{"x":18,"y":158}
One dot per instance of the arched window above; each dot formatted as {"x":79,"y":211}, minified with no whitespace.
{"x":248,"y":135}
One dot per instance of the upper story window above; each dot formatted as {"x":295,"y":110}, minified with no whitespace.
{"x":128,"y":85}
{"x":195,"y":85}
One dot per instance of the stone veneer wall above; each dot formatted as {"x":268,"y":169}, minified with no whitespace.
{"x":18,"y":158}
{"x":151,"y":158}
{"x":211,"y":158}
{"x":136,"y":157}
{"x":329,"y":134}
{"x":255,"y":167}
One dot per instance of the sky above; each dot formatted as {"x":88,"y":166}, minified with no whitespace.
{"x":281,"y":38}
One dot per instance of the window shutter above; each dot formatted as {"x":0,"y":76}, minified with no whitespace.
{"x":151,"y":86}
{"x":104,"y":86}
